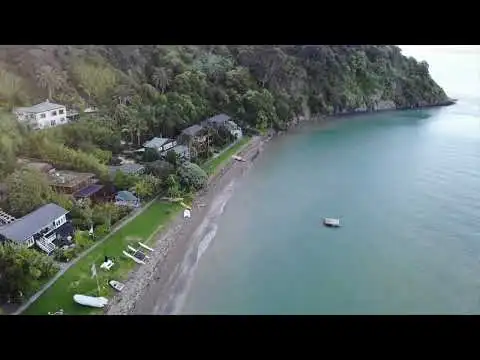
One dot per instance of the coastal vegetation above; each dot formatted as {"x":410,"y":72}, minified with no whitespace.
{"x":143,"y":91}
{"x":78,"y":279}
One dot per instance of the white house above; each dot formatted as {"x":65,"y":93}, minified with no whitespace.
{"x":43,"y":227}
{"x":43,"y":115}
{"x":160,"y":144}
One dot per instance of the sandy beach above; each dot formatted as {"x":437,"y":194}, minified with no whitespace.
{"x":158,"y":286}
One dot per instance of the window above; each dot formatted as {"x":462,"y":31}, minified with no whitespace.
{"x":62,"y":119}
{"x":60,"y":111}
{"x":54,"y":113}
{"x":43,"y":116}
{"x":53,"y":122}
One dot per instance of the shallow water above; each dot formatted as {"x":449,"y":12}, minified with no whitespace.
{"x":407,"y":187}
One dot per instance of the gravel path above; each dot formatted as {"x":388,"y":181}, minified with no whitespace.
{"x":147,"y":289}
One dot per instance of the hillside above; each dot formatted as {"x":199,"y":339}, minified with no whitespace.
{"x":145,"y":90}
{"x":286,"y":80}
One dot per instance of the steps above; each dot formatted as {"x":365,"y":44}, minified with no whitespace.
{"x":48,"y":247}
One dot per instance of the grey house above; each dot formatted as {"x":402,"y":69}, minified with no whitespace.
{"x":44,"y":227}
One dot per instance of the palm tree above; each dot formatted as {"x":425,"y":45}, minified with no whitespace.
{"x":161,"y":78}
{"x":48,"y":78}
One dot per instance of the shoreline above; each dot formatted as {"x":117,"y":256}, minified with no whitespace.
{"x":151,"y":288}
{"x":148,"y":288}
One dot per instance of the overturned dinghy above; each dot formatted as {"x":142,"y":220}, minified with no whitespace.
{"x":97,"y":302}
{"x":331,"y":222}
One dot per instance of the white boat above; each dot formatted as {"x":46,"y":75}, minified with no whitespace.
{"x":186,"y":214}
{"x":331,"y":222}
{"x":145,"y":246}
{"x":138,"y":261}
{"x":238,"y":158}
{"x":98,"y":302}
{"x":117,"y":285}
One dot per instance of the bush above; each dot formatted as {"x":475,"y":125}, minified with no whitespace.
{"x":64,"y":256}
{"x":101,"y":231}
{"x":150,"y":155}
{"x":192,"y":176}
{"x":172,"y":158}
{"x":83,"y":240}
{"x":160,"y":169}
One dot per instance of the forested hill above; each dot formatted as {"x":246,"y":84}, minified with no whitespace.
{"x":262,"y":85}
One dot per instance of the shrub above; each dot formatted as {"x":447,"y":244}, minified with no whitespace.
{"x":160,"y":169}
{"x":192,"y":176}
{"x":83,"y":240}
{"x":101,"y":231}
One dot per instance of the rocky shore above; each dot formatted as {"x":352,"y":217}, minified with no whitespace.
{"x":147,"y":289}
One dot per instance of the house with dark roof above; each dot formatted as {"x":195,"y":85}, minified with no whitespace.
{"x":223,"y":120}
{"x":217,"y":120}
{"x":43,"y":115}
{"x":195,"y":138}
{"x":47,"y":227}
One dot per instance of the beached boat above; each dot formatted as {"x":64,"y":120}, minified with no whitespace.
{"x":331,"y":222}
{"x":138,"y":261}
{"x":238,"y":158}
{"x":98,"y":302}
{"x":145,"y":246}
{"x":117,"y":285}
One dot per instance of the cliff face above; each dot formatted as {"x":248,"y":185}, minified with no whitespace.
{"x":264,"y":85}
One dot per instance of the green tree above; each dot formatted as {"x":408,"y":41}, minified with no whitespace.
{"x":27,"y":189}
{"x":49,"y":78}
{"x":124,"y":181}
{"x":22,"y":270}
{"x":192,"y":176}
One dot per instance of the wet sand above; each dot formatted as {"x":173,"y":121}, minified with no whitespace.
{"x":158,"y":287}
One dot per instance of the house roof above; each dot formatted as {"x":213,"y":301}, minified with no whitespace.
{"x":156,"y":142}
{"x":126,"y":196}
{"x":126,"y":169}
{"x":88,"y":191}
{"x":39,"y":108}
{"x":180,"y":149}
{"x":218,"y":119}
{"x":192,"y":130}
{"x":21,"y":229}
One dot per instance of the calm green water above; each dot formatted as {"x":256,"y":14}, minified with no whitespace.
{"x":407,"y":186}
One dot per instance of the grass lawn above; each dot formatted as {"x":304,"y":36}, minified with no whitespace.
{"x":212,"y":166}
{"x":78,"y":280}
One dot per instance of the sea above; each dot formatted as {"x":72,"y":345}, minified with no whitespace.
{"x":406,"y":186}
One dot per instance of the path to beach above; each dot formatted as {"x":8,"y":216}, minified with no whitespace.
{"x":149,"y":288}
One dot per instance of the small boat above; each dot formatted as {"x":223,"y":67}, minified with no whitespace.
{"x":137,"y":253}
{"x":238,"y":158}
{"x":117,"y":285}
{"x":331,"y":222}
{"x":145,"y":246}
{"x":98,"y":302}
{"x":138,"y":261}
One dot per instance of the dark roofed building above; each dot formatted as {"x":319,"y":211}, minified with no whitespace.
{"x":217,"y":120}
{"x":193,"y":130}
{"x":41,"y":227}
